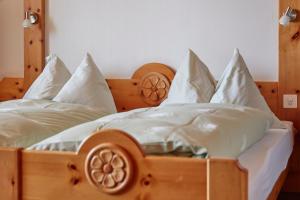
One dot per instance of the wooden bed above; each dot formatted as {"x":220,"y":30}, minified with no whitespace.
{"x":33,"y":175}
{"x":42,"y":175}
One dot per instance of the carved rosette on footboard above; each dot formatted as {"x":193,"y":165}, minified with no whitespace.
{"x":109,"y":168}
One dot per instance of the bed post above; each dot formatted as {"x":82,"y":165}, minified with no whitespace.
{"x":226,"y":180}
{"x":10,"y":174}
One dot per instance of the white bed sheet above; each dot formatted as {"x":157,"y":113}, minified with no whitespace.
{"x":266,"y":160}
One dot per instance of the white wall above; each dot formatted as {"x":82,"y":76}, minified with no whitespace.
{"x":11,"y":38}
{"x":124,"y":34}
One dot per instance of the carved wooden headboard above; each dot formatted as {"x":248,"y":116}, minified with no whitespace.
{"x":150,"y":85}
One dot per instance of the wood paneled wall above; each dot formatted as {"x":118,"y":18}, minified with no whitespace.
{"x":289,"y":62}
{"x":289,"y":83}
{"x":34,"y":43}
{"x":11,"y":88}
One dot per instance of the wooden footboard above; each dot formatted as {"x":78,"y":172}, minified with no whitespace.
{"x":10,"y":172}
{"x":111,"y":166}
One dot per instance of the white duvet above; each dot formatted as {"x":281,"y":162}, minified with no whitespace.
{"x":26,"y":122}
{"x":196,"y":129}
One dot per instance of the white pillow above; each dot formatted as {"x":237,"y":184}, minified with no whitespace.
{"x":87,"y":86}
{"x":193,"y":83}
{"x":237,"y":86}
{"x":50,"y":81}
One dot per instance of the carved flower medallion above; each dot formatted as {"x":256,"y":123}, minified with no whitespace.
{"x":108,"y":167}
{"x":154,"y":88}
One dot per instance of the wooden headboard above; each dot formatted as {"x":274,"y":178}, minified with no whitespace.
{"x":147,"y":87}
{"x":150,"y":85}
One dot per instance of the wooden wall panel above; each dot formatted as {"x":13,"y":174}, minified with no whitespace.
{"x":289,"y":62}
{"x":270,"y":92}
{"x":34,"y":43}
{"x":289,"y":83}
{"x":11,"y":88}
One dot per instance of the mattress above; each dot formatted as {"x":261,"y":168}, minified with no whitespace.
{"x":266,"y":160}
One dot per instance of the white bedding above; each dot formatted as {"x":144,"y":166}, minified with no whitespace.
{"x":195,"y":129}
{"x":266,"y":160}
{"x":25,"y":122}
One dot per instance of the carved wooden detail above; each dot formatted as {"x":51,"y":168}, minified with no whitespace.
{"x":109,"y":168}
{"x":154,"y":88}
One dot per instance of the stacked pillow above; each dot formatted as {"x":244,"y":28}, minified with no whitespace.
{"x":236,"y":85}
{"x":50,"y":81}
{"x":193,"y":82}
{"x":87,"y":86}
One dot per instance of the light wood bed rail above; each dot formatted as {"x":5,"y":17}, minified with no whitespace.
{"x":61,"y":176}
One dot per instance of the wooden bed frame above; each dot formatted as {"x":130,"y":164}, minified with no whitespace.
{"x":33,"y":175}
{"x":43,"y":175}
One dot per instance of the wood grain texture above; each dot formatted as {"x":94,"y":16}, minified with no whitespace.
{"x":292,"y":183}
{"x":34,"y":43}
{"x":57,"y":175}
{"x":62,"y":175}
{"x":279,"y":185}
{"x":289,"y":83}
{"x":228,"y":180}
{"x":11,"y":88}
{"x":289,"y":62}
{"x":126,"y":92}
{"x":10,"y":174}
{"x":154,"y":67}
{"x":269,"y":90}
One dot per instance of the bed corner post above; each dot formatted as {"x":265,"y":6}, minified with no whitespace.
{"x":10,"y":174}
{"x":226,"y":180}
